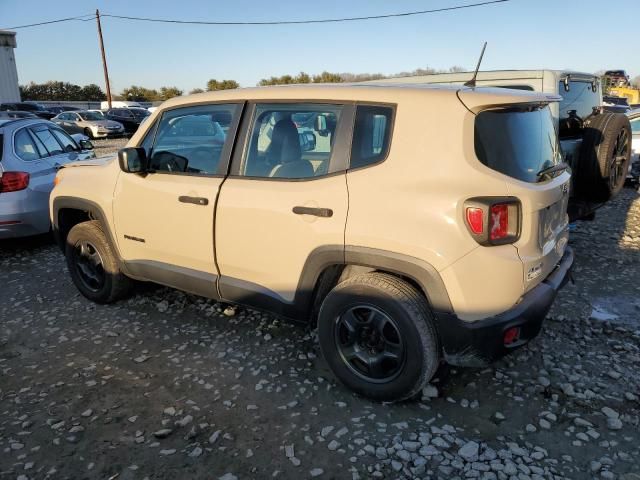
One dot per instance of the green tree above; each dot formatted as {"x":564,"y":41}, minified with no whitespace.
{"x":169,"y":92}
{"x":136,"y":93}
{"x":213,"y":85}
{"x":196,"y":90}
{"x":93,"y":92}
{"x":327,"y":77}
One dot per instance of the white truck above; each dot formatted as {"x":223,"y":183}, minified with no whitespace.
{"x":595,"y":144}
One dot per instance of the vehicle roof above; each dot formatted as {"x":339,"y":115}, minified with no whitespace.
{"x":487,"y":75}
{"x":388,"y":91}
{"x":19,"y":122}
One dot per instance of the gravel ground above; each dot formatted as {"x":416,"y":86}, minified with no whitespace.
{"x":167,"y":385}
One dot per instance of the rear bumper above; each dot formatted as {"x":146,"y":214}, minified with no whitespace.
{"x":17,"y":220}
{"x":478,"y":343}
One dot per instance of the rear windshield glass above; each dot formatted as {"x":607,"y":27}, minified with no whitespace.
{"x":517,"y":142}
{"x":580,"y":98}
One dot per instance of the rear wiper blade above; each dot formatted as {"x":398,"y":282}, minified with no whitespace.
{"x":552,"y":169}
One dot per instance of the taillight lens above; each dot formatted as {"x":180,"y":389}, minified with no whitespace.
{"x":475,"y":220}
{"x":13,"y":181}
{"x":493,"y":220}
{"x":499,"y":221}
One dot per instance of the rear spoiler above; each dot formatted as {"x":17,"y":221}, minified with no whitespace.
{"x":481,"y":98}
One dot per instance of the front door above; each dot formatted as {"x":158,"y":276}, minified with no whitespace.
{"x":164,"y":220}
{"x":285,"y":198}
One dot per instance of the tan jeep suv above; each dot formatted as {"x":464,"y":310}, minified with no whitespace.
{"x":414,"y":224}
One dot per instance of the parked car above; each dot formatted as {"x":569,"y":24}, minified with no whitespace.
{"x":634,"y":167}
{"x":454,"y":246}
{"x":588,"y":136}
{"x":130,"y":118}
{"x":17,"y":114}
{"x":104,"y":105}
{"x":35,"y":108}
{"x":31,"y":151}
{"x":89,"y":123}
{"x":63,"y":108}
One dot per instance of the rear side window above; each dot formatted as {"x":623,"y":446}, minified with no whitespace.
{"x":371,"y":135}
{"x":25,"y":146}
{"x":518,"y":142}
{"x":48,"y":141}
{"x":291,"y":140}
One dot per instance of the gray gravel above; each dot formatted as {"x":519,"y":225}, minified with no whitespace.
{"x":247,"y":396}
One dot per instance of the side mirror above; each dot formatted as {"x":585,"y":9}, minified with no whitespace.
{"x":133,"y":160}
{"x":86,"y":145}
{"x":320,"y":125}
{"x":307,"y":141}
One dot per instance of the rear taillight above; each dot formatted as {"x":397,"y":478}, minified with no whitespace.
{"x":499,"y":221}
{"x":13,"y":181}
{"x":493,"y":220}
{"x":475,"y":220}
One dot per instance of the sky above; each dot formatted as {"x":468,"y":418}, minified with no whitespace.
{"x":521,"y":34}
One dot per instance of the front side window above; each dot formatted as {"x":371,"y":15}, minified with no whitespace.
{"x":519,"y":142}
{"x":191,"y":140}
{"x":25,"y":146}
{"x":371,"y":135}
{"x":90,"y":116}
{"x":635,"y":125}
{"x":48,"y":141}
{"x":291,"y":140}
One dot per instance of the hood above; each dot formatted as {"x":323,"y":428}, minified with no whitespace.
{"x":94,"y":162}
{"x":103,"y":123}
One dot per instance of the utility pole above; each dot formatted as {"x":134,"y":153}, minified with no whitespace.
{"x":104,"y":59}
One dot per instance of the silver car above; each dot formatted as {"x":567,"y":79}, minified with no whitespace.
{"x":31,"y":151}
{"x":91,"y":124}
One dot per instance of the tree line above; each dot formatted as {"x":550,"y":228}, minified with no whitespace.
{"x":54,"y":90}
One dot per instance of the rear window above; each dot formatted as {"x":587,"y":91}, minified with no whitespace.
{"x":580,"y":98}
{"x":518,"y":142}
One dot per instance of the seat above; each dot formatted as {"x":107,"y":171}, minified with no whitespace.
{"x":285,"y":153}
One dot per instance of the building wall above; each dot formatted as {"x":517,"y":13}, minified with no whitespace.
{"x":9,"y":91}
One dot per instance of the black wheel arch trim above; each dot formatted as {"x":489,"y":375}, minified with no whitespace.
{"x":95,"y":212}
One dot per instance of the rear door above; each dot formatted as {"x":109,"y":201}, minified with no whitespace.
{"x":521,"y":142}
{"x":285,"y":199}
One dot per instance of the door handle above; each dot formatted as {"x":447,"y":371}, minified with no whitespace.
{"x":316,"y":212}
{"x":195,"y":200}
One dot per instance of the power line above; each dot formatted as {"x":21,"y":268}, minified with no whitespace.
{"x":82,"y":18}
{"x":91,"y":16}
{"x":298,"y":22}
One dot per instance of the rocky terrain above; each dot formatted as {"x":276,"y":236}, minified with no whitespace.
{"x":167,"y":385}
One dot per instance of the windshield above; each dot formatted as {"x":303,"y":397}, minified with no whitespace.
{"x":90,"y":116}
{"x":518,"y":142}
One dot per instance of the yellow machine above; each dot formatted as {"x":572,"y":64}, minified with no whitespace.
{"x":632,"y":94}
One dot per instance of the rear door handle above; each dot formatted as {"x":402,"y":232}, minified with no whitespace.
{"x":316,"y":212}
{"x":195,"y":200}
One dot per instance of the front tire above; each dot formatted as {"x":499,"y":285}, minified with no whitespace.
{"x":93,"y":264}
{"x":376,"y":333}
{"x":89,"y":133}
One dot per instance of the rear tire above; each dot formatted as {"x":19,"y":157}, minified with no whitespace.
{"x":93,"y":264}
{"x":376,"y":333}
{"x":604,"y":157}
